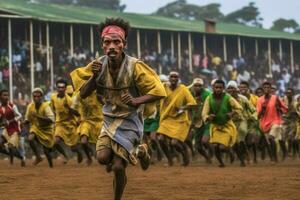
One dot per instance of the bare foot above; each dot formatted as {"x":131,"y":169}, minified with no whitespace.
{"x":37,"y":160}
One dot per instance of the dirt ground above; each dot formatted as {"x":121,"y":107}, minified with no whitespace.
{"x":198,"y":181}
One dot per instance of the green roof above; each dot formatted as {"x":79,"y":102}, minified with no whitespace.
{"x":86,"y":15}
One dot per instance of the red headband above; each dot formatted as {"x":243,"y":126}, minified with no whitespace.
{"x":115,"y":30}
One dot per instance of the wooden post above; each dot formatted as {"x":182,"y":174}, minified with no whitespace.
{"x":40,"y":35}
{"x":159,"y":50}
{"x":179,"y":51}
{"x":71,"y":41}
{"x":10,"y":61}
{"x":239,"y":47}
{"x":280,"y":50}
{"x":190,"y":52}
{"x":292,"y":56}
{"x":31,"y":56}
{"x":256,"y":47}
{"x":269,"y":56}
{"x":224,"y":48}
{"x":91,"y":39}
{"x":172,"y":44}
{"x":138,"y":41}
{"x":51,"y":69}
{"x":48,"y":46}
{"x":204,"y":44}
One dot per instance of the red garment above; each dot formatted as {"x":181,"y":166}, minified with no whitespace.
{"x":113,"y":30}
{"x":6,"y":112}
{"x":271,"y":115}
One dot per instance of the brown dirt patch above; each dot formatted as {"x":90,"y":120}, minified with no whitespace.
{"x":198,"y":181}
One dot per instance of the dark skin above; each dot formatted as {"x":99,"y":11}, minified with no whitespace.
{"x":289,"y":94}
{"x":173,"y":79}
{"x":61,"y":93}
{"x":4,"y":100}
{"x":113,"y":46}
{"x":252,"y":140}
{"x":259,"y":92}
{"x":218,"y":92}
{"x":197,"y":89}
{"x":244,"y":90}
{"x":38,"y":99}
{"x":240,"y":148}
{"x":268,"y":91}
{"x":180,"y":147}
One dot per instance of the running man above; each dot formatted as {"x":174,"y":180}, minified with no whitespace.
{"x":199,"y":128}
{"x":253,"y":136}
{"x":91,"y":117}
{"x":175,"y":122}
{"x":124,"y":84}
{"x":218,"y":109}
{"x":241,"y":122}
{"x":65,"y":121}
{"x":10,"y":118}
{"x":269,"y":110}
{"x":290,"y":121}
{"x":39,"y":119}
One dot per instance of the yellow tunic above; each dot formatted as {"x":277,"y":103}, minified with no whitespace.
{"x":118,"y":116}
{"x":175,"y":124}
{"x":253,"y":99}
{"x":90,"y":110}
{"x":65,"y":121}
{"x":42,"y":130}
{"x":222,"y":134}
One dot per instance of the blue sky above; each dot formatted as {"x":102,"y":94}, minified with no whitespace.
{"x":270,"y":9}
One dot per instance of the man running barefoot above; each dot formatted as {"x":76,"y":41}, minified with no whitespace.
{"x":219,"y":109}
{"x":39,"y":119}
{"x":175,"y":122}
{"x":124,"y":84}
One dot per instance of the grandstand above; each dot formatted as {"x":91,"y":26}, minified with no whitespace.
{"x":41,"y":42}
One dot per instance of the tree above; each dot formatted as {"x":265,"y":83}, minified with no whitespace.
{"x":56,"y":1}
{"x":297,"y":31}
{"x":105,"y":4}
{"x":248,"y":15}
{"x":182,"y":10}
{"x":287,"y":25}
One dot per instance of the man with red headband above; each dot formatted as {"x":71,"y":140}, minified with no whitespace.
{"x":124,"y":84}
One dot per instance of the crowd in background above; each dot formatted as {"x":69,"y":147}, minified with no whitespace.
{"x":249,"y":68}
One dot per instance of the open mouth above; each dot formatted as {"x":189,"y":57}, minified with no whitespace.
{"x":112,"y":54}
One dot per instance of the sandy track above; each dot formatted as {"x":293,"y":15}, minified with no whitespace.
{"x":198,"y":181}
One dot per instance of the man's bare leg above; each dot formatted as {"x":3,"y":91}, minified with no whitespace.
{"x":181,"y":147}
{"x":33,"y":146}
{"x":76,"y":150}
{"x":164,"y":145}
{"x":120,"y":178}
{"x":85,"y":146}
{"x":105,"y":157}
{"x":47,"y":153}
{"x":155,"y":145}
{"x":60,"y":149}
{"x":218,"y":155}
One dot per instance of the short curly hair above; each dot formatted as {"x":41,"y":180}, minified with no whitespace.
{"x":117,"y":22}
